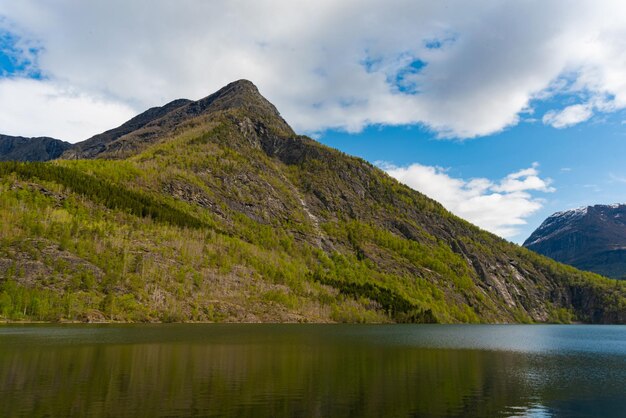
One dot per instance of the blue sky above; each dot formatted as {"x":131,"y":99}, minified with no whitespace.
{"x":505,"y":112}
{"x":586,"y":163}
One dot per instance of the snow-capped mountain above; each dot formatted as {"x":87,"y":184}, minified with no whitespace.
{"x":591,"y":238}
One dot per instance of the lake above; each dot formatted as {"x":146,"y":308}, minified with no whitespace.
{"x":264,"y":370}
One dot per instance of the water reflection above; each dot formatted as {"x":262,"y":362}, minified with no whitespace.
{"x":293,"y":371}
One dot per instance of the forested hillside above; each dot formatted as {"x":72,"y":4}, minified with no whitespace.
{"x":216,"y":210}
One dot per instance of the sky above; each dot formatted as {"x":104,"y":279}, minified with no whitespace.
{"x":503,"y":111}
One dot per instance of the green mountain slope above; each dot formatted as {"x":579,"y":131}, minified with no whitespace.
{"x":217,"y":211}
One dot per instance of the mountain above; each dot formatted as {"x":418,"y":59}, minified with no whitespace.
{"x":18,"y":148}
{"x":215,"y":210}
{"x":159,"y":123}
{"x":98,"y":144}
{"x":591,"y":238}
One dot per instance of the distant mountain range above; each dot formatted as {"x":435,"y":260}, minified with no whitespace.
{"x":591,"y":238}
{"x":216,"y":210}
{"x":17,"y":148}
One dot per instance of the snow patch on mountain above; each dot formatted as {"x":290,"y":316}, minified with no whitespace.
{"x":560,"y":221}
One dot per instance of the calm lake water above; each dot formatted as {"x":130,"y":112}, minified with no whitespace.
{"x":312,"y":371}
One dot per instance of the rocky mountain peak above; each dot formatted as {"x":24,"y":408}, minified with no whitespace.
{"x":591,"y":238}
{"x":244,"y":95}
{"x":242,"y":89}
{"x":240,"y":98}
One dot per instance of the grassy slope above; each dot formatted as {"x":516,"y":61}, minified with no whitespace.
{"x":238,"y":228}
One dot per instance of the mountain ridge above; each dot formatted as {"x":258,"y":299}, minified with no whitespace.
{"x":220,"y":212}
{"x":591,"y":238}
{"x":97,"y":143}
{"x":19,"y":148}
{"x":149,"y":127}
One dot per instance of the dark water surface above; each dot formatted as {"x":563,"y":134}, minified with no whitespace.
{"x":312,"y":371}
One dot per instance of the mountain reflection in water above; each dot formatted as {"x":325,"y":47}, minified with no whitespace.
{"x":312,"y":371}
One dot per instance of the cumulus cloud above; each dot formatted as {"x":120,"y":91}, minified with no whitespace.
{"x":569,"y":116}
{"x":501,"y":207}
{"x":461,"y":69}
{"x":523,"y":180}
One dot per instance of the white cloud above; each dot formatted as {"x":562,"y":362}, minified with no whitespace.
{"x":40,"y":108}
{"x":329,"y":64}
{"x":571,"y":115}
{"x":527,"y":179}
{"x":501,"y":207}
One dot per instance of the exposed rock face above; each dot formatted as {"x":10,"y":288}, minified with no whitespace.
{"x":592,"y":238}
{"x":18,"y":148}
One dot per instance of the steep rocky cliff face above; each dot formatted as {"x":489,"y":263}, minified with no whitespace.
{"x":217,"y":210}
{"x":17,"y":148}
{"x":592,"y":238}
